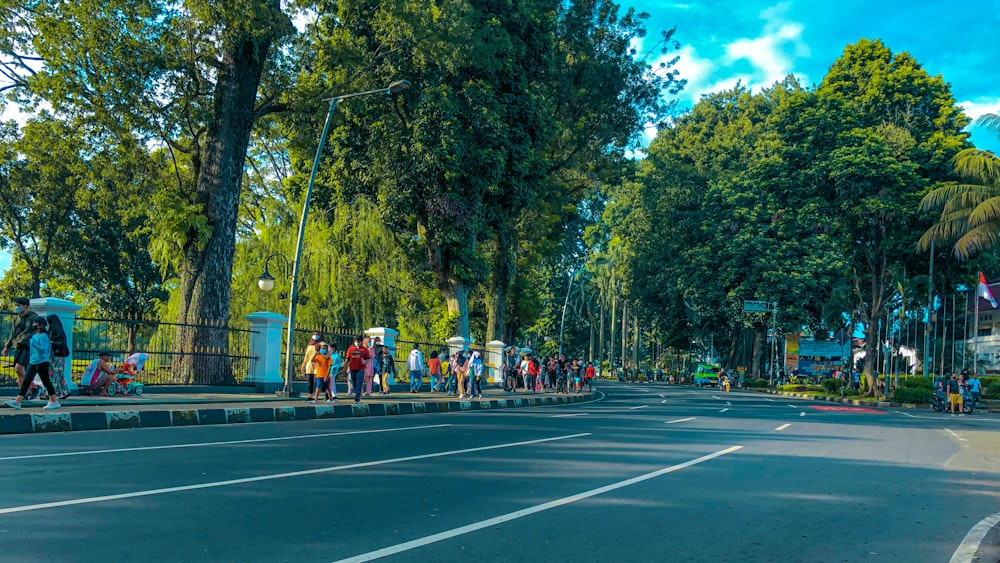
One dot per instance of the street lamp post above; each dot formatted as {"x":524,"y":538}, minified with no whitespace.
{"x":393,"y":88}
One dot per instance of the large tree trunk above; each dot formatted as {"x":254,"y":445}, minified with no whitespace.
{"x":504,"y":270}
{"x":759,"y":338}
{"x":456,"y":294}
{"x":206,"y":273}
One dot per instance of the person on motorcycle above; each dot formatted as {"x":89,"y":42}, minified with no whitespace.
{"x":955,"y":394}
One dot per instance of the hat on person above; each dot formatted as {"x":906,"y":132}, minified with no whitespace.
{"x":22,"y":301}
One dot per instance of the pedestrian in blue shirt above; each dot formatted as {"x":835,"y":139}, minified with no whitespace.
{"x":974,"y":388}
{"x":38,"y":364}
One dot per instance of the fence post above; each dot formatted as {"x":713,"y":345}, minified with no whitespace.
{"x":66,"y":311}
{"x":456,"y":343}
{"x":494,"y":360}
{"x":265,"y":342}
{"x":388,"y":336}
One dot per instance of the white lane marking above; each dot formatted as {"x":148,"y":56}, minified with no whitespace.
{"x":782,"y":427}
{"x":214,"y":484}
{"x":679,"y":420}
{"x":225,"y":443}
{"x":663,"y":396}
{"x":728,"y":403}
{"x":455,"y":532}
{"x":569,"y":415}
{"x":663,"y":401}
{"x":714,"y":397}
{"x":724,"y":410}
{"x":957,"y":437}
{"x":793,"y":406}
{"x":970,"y":545}
{"x":639,"y":407}
{"x":906,"y":414}
{"x":802,"y":414}
{"x":766,"y":399}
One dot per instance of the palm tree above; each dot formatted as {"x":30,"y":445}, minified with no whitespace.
{"x":970,"y":213}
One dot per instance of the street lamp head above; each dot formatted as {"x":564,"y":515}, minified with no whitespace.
{"x":266,"y":281}
{"x":398,"y":86}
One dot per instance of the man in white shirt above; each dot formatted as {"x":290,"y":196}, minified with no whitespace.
{"x":415,"y":365}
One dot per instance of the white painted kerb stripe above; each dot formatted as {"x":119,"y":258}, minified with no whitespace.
{"x":448,"y":534}
{"x":970,"y":545}
{"x":214,"y":484}
{"x":225,"y":443}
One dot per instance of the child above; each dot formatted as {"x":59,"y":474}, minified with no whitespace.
{"x":434,"y":369}
{"x":322,"y":362}
{"x":38,"y":364}
{"x":336,"y":364}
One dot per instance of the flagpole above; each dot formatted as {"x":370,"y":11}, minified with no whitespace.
{"x":975,"y":338}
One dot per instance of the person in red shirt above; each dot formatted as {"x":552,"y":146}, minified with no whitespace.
{"x":588,"y":374}
{"x":434,"y":368}
{"x":357,"y":358}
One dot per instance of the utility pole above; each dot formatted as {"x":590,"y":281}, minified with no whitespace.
{"x":930,"y":312}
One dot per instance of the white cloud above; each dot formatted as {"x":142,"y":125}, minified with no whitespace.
{"x":767,"y":53}
{"x":975,"y":109}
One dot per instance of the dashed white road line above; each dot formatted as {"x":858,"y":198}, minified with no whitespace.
{"x":766,"y":399}
{"x":782,"y":427}
{"x":794,"y":406}
{"x":716,"y":397}
{"x":569,"y":415}
{"x":802,"y":413}
{"x":905,"y":414}
{"x":639,"y":407}
{"x":663,"y":401}
{"x":223,"y":443}
{"x":679,"y":420}
{"x":724,"y":410}
{"x":957,"y":437}
{"x":273,"y":476}
{"x":448,"y":534}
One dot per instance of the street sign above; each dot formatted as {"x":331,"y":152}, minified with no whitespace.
{"x":756,"y":307}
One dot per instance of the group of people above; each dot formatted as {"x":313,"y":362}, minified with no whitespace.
{"x":958,"y":386}
{"x":366,"y":361}
{"x":554,"y":373}
{"x":35,"y":353}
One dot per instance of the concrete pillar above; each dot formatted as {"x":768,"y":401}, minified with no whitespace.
{"x":388,"y":336}
{"x":66,"y":311}
{"x":456,"y":343}
{"x":266,"y":342}
{"x":494,"y":360}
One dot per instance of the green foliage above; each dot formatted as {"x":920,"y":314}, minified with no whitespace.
{"x":834,"y":386}
{"x":916,"y":383}
{"x":758,"y":383}
{"x":794,"y":387}
{"x":913,"y":395}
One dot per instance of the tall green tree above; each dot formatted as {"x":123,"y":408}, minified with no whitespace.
{"x":186,"y":75}
{"x":970,"y":212}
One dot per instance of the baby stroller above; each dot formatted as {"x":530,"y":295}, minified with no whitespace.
{"x":125,"y":376}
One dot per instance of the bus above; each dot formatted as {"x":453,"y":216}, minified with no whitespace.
{"x":707,"y":374}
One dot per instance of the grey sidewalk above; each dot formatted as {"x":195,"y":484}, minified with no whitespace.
{"x":176,"y":409}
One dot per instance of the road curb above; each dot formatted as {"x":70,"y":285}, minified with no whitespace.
{"x":844,"y":400}
{"x":27,"y":423}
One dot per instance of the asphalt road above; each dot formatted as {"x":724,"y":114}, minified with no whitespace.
{"x":647,"y":473}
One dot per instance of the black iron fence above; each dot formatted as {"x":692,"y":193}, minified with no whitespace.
{"x":341,"y":337}
{"x":178,"y":354}
{"x":7,"y":321}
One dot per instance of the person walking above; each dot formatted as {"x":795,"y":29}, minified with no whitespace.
{"x":336,"y":364}
{"x":415,"y":365}
{"x":589,"y":377}
{"x":975,"y":388}
{"x":323,"y":362}
{"x":461,"y":369}
{"x":510,"y":370}
{"x":308,"y":365}
{"x":371,"y":363}
{"x":434,"y":370}
{"x":388,"y":369}
{"x":60,"y":350}
{"x":39,"y":354}
{"x":357,"y":358}
{"x":476,"y":383}
{"x":20,"y":334}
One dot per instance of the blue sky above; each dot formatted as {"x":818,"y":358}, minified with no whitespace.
{"x":758,"y":43}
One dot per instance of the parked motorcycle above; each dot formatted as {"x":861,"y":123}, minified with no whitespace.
{"x":941,"y":403}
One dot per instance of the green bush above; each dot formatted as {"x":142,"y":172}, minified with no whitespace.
{"x":915,"y":395}
{"x":799,"y":388}
{"x":916,"y":382}
{"x":834,"y":385}
{"x":758,"y":383}
{"x":992,"y":392}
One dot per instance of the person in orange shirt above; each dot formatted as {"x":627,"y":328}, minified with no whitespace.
{"x":434,"y":369}
{"x":322,"y":361}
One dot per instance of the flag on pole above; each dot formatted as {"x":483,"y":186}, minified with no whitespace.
{"x":984,"y":291}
